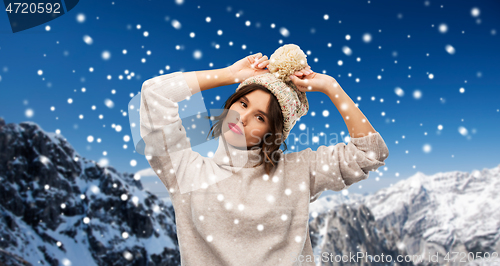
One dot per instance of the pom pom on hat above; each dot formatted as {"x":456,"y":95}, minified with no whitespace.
{"x":285,"y":61}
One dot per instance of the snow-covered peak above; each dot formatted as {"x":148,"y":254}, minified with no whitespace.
{"x":58,"y":208}
{"x":448,"y":211}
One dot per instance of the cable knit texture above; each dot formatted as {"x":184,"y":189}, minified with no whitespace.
{"x":230,"y":213}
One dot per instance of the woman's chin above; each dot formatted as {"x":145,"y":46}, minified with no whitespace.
{"x":235,"y":140}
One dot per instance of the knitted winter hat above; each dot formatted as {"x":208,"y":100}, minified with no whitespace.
{"x":285,"y":61}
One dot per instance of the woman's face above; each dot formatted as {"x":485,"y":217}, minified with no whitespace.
{"x":247,"y":121}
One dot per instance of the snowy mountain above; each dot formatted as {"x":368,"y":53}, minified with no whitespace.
{"x":58,"y":208}
{"x":349,"y":229}
{"x":446,"y":212}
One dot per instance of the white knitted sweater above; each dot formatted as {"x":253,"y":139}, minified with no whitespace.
{"x":245,"y":217}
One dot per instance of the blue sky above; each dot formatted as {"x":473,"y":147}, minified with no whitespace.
{"x":431,"y":48}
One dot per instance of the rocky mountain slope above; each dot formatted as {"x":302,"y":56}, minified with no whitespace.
{"x":423,"y":215}
{"x":58,"y":208}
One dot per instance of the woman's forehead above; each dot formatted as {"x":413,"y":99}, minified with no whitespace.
{"x":257,"y":95}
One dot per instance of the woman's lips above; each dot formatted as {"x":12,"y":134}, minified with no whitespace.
{"x":234,"y":128}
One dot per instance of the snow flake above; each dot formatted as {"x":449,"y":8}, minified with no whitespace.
{"x":80,"y":18}
{"x":443,"y":28}
{"x":367,"y":37}
{"x":462,"y":130}
{"x":95,"y":189}
{"x":66,"y":262}
{"x":135,"y":200}
{"x":347,"y":51}
{"x":109,"y":103}
{"x":176,"y":24}
{"x":106,"y":55}
{"x":197,"y":54}
{"x":475,"y":12}
{"x":284,"y":32}
{"x":399,"y":92}
{"x":87,"y":39}
{"x":127,"y":255}
{"x":450,"y":49}
{"x":417,"y":94}
{"x":427,"y":148}
{"x":270,"y":199}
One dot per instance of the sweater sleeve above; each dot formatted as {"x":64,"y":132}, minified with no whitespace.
{"x":338,"y":167}
{"x":166,"y":145}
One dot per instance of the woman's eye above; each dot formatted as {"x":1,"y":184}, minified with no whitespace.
{"x":260,"y":117}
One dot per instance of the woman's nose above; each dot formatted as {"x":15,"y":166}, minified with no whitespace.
{"x":241,"y":118}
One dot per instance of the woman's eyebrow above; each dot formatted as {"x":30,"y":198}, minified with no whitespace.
{"x":246,"y":99}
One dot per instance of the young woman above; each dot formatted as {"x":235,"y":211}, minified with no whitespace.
{"x":249,"y":203}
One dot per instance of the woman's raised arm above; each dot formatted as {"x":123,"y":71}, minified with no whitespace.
{"x":336,"y":167}
{"x":356,"y":122}
{"x":208,"y":79}
{"x":244,"y":68}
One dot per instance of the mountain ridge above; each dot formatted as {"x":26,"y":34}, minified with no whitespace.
{"x":60,"y":208}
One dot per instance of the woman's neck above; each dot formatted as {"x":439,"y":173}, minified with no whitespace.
{"x":243,"y":148}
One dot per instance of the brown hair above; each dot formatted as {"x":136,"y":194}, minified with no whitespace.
{"x":272,"y":140}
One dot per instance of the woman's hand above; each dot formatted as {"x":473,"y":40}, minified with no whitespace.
{"x":249,"y":66}
{"x":307,"y":80}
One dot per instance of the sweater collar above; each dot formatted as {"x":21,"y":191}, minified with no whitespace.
{"x":228,"y":155}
